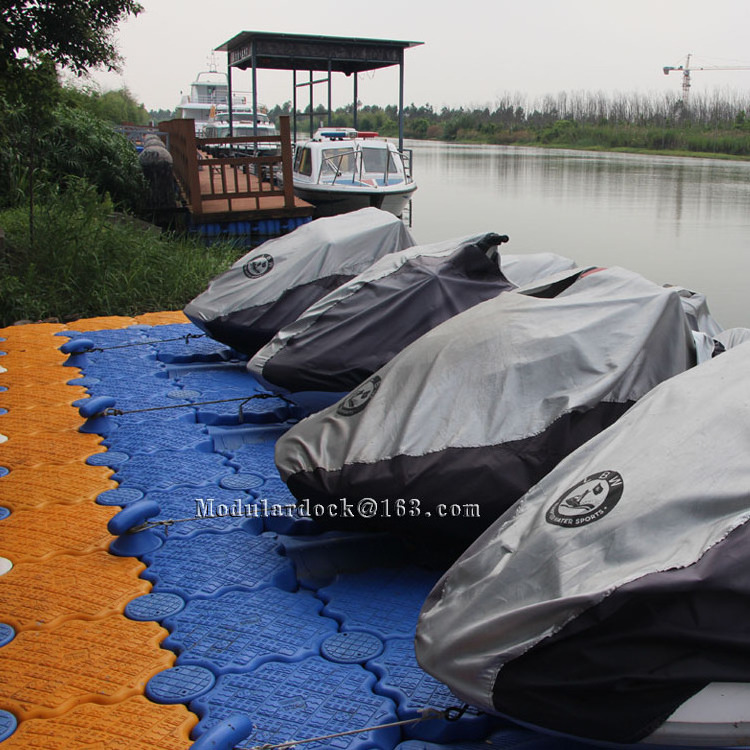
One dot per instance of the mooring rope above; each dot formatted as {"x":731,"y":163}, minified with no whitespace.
{"x":112,"y":411}
{"x":454,"y":713}
{"x":186,"y":338}
{"x":167,"y":523}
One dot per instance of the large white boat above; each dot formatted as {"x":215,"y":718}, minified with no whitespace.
{"x":342,"y":169}
{"x":209,"y":94}
{"x":207,"y":91}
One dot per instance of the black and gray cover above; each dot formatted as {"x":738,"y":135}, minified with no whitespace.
{"x":271,"y":285}
{"x":619,"y":585}
{"x":480,"y":408}
{"x":523,"y":268}
{"x":346,"y":336}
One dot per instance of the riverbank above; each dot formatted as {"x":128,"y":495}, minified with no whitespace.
{"x":574,"y":145}
{"x":600,"y":149}
{"x":642,"y":151}
{"x":625,"y":138}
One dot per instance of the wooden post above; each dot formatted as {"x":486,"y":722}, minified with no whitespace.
{"x":184,"y":150}
{"x":191,"y":167}
{"x":286,"y":161}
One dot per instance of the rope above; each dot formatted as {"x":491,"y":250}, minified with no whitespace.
{"x":454,"y":713}
{"x":112,"y":411}
{"x":186,"y":338}
{"x":171,"y":521}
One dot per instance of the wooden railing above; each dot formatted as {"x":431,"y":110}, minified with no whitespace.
{"x":243,"y":175}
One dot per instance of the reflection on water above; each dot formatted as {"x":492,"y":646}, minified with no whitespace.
{"x":675,"y":220}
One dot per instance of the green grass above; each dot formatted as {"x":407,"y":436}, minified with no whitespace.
{"x":84,"y":262}
{"x":680,"y":141}
{"x":724,"y":142}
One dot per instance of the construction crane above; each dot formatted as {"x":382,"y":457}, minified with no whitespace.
{"x":686,"y":70}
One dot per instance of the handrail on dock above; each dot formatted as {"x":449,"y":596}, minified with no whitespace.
{"x":245,"y":174}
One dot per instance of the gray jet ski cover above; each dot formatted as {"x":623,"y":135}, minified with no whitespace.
{"x":271,"y":285}
{"x":521,"y":269}
{"x":480,"y":408}
{"x":350,"y":333}
{"x":619,"y":585}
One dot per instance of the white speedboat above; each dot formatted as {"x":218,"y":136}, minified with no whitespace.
{"x":342,"y":169}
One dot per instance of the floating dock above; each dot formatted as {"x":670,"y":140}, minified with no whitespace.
{"x":239,"y":627}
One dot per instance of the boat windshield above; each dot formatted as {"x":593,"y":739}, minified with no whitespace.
{"x":303,"y":161}
{"x":338,"y":159}
{"x":375,"y":160}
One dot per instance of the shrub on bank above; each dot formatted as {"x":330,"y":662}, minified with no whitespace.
{"x":68,"y":141}
{"x":84,"y":262}
{"x":645,"y":137}
{"x":82,"y":144}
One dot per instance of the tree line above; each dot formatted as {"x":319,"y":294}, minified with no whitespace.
{"x":714,"y":123}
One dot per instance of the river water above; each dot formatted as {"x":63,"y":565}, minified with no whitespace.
{"x":675,"y":220}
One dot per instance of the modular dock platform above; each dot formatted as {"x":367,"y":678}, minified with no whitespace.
{"x":242,"y":626}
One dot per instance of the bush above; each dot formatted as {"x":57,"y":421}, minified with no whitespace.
{"x":83,"y":145}
{"x":83,"y":262}
{"x":69,"y":141}
{"x":661,"y":138}
{"x":562,"y":131}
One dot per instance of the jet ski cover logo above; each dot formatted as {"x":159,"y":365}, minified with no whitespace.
{"x":258,"y":266}
{"x":588,"y":501}
{"x":357,"y":401}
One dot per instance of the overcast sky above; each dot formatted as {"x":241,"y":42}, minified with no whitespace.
{"x":474,"y":51}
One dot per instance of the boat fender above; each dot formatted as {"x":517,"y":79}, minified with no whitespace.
{"x":93,"y":407}
{"x":132,"y":516}
{"x":125,"y":525}
{"x":76,"y":346}
{"x":155,"y":157}
{"x":226,"y":734}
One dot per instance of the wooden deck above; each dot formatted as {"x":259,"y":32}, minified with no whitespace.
{"x":227,"y":188}
{"x":247,"y":197}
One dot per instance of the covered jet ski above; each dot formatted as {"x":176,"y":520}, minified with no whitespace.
{"x":612,"y":601}
{"x":271,"y":285}
{"x":525,"y":268}
{"x":732,"y":337}
{"x":699,"y":316}
{"x":353,"y":331}
{"x":466,"y":419}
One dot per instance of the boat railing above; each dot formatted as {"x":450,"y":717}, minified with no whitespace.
{"x":407,"y":159}
{"x":245,"y":174}
{"x":215,"y":98}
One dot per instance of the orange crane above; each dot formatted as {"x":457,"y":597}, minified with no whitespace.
{"x":686,"y":70}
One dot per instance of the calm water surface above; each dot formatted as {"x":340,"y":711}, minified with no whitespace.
{"x":675,"y":220}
